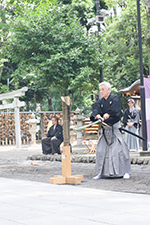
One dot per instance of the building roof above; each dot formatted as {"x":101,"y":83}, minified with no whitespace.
{"x":133,"y":90}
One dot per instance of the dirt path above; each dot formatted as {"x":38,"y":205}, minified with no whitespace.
{"x":15,"y":165}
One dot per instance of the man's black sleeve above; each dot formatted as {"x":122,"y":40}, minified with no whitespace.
{"x":96,"y":110}
{"x":59,"y":133}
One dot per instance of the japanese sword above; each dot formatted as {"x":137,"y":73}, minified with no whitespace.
{"x":100,"y":121}
{"x":90,"y":125}
{"x":136,"y":135}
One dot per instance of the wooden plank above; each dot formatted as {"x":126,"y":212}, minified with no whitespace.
{"x":81,"y":176}
{"x":57,"y":180}
{"x":73,"y":180}
{"x":91,"y":128}
{"x":92,"y":131}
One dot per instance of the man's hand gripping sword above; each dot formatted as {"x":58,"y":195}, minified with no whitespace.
{"x":91,"y":124}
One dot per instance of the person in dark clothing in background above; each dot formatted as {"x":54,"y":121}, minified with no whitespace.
{"x":51,"y":143}
{"x":131,"y":120}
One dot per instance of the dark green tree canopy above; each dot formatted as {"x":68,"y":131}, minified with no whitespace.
{"x":54,"y":46}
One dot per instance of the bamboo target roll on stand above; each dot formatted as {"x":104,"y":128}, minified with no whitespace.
{"x":66,"y":177}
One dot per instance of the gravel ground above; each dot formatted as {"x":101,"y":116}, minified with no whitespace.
{"x":14,"y":164}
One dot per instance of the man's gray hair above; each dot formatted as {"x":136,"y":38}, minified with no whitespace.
{"x":107,"y":84}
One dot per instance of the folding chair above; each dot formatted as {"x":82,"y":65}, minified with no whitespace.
{"x":93,"y":143}
{"x":91,"y":135}
{"x":90,"y":146}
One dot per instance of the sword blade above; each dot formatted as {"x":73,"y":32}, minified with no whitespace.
{"x":136,"y":135}
{"x":88,"y":125}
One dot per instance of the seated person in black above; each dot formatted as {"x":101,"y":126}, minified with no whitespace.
{"x":51,"y":143}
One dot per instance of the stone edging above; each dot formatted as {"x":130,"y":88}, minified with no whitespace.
{"x":84,"y":159}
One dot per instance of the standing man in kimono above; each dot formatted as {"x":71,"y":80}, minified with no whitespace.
{"x":112,"y":155}
{"x":131,"y":121}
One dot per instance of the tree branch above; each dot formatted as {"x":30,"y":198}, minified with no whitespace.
{"x":72,"y":93}
{"x":59,"y":92}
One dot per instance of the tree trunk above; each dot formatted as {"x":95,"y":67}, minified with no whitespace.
{"x":147,"y":6}
{"x":35,"y":100}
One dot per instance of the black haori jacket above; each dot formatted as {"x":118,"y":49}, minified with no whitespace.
{"x":112,"y":105}
{"x":58,"y":132}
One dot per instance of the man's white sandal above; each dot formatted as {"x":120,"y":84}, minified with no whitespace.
{"x":126,"y":176}
{"x":97,"y":177}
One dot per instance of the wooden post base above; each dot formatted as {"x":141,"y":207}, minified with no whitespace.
{"x":66,"y":177}
{"x":57,"y":180}
{"x":76,"y":179}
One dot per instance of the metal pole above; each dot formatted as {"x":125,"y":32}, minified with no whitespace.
{"x":8,"y":89}
{"x":142,"y":88}
{"x":99,"y":29}
{"x":98,"y":13}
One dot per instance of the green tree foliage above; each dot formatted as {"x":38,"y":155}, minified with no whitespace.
{"x":83,"y":10}
{"x":9,"y":11}
{"x":49,"y":48}
{"x":52,"y":44}
{"x":120,"y":47}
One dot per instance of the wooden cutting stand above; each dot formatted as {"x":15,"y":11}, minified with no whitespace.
{"x":66,"y":177}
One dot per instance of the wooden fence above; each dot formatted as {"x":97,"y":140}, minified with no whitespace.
{"x":7,"y":126}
